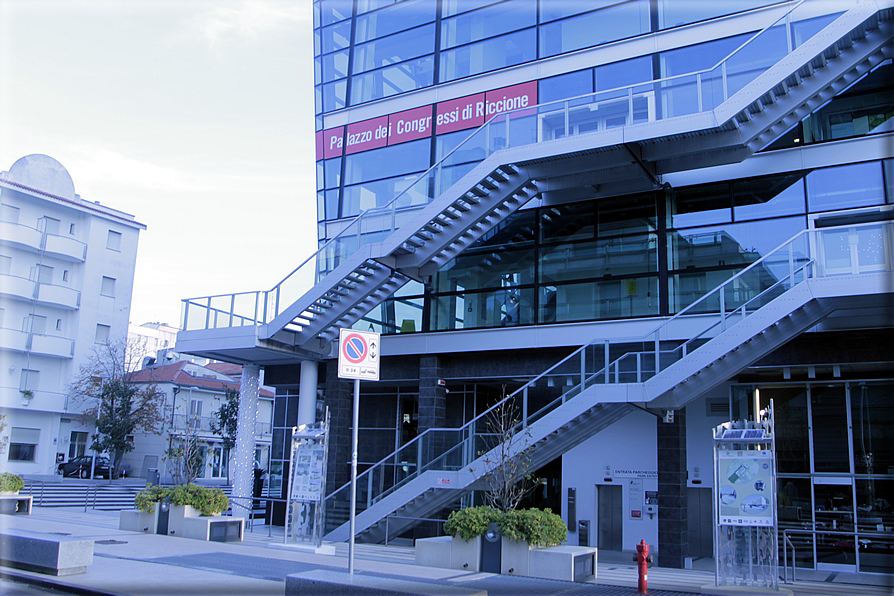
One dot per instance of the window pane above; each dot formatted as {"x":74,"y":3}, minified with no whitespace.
{"x":698,"y":205}
{"x":792,"y":429}
{"x":572,"y":84}
{"x":334,"y":66}
{"x":387,"y":162}
{"x":488,"y":55}
{"x":830,"y":433}
{"x":609,"y":299}
{"x":856,"y":185}
{"x":108,"y":286}
{"x":487,"y":22}
{"x":550,"y":11}
{"x":452,"y":7}
{"x":333,"y":95}
{"x":626,"y":255}
{"x":874,"y":514}
{"x":769,"y":196}
{"x":610,"y":24}
{"x":872,"y":413}
{"x":672,"y":13}
{"x":336,"y":37}
{"x":496,"y":308}
{"x":393,"y":19}
{"x":332,"y":169}
{"x":114,"y":240}
{"x":332,"y":11}
{"x":394,"y":49}
{"x":376,"y":194}
{"x":386,"y":82}
{"x":102,"y":334}
{"x":477,"y":270}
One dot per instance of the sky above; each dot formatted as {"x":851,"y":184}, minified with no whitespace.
{"x":194,"y":116}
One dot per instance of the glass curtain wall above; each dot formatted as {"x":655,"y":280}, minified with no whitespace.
{"x":835,"y":463}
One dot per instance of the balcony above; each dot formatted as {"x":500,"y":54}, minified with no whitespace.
{"x":66,"y":248}
{"x":20,"y":236}
{"x":59,"y":296}
{"x":53,"y":346}
{"x":17,"y":288}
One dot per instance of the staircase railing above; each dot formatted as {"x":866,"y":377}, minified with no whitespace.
{"x":648,"y":101}
{"x":842,"y":250}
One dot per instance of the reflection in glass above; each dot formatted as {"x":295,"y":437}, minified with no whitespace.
{"x":387,"y":162}
{"x":875,"y":517}
{"x":834,"y":512}
{"x":872,"y":412}
{"x":831,"y":452}
{"x":609,"y":24}
{"x":768,"y":196}
{"x":487,"y":22}
{"x":393,"y":49}
{"x":620,"y":256}
{"x":487,"y":55}
{"x":595,"y":300}
{"x":855,"y":185}
{"x":505,"y":307}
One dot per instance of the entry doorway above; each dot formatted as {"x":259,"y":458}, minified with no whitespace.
{"x":700,"y":520}
{"x":609,"y":517}
{"x":833,"y":506}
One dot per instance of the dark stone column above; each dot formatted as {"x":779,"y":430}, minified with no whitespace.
{"x":432,"y":397}
{"x":432,"y":406}
{"x":673,"y":532}
{"x":340,"y":399}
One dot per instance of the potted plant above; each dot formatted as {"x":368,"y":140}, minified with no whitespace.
{"x":207,"y":501}
{"x":144,"y":518}
{"x":11,"y":484}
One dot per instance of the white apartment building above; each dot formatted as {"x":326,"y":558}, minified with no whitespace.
{"x":66,"y":281}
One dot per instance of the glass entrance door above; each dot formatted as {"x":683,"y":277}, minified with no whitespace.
{"x":833,"y":505}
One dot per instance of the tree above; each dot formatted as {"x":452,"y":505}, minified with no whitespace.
{"x":224,"y":422}
{"x":185,"y":454}
{"x":114,"y":405}
{"x":507,"y":458}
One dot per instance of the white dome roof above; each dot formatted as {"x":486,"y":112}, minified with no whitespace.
{"x":42,"y":172}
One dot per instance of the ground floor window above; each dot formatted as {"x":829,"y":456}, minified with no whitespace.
{"x":23,"y":444}
{"x":78,"y":445}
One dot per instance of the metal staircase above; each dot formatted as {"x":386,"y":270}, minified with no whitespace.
{"x":785,"y":293}
{"x":726,"y":114}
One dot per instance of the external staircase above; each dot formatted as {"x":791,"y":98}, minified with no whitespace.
{"x":726,"y":114}
{"x":730,"y":113}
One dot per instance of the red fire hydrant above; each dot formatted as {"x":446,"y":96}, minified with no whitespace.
{"x":644,"y":560}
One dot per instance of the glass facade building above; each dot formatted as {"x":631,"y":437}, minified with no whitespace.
{"x":621,"y":114}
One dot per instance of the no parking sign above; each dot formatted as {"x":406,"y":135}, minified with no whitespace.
{"x":358,"y":355}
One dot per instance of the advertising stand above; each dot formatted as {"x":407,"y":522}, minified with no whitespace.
{"x":307,"y":483}
{"x":745,"y":504}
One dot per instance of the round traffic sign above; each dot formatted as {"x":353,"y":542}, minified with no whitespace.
{"x":354,"y":348}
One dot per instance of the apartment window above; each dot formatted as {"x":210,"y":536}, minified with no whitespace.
{"x":35,"y":324}
{"x":8,"y":213}
{"x":195,"y":413}
{"x":23,"y":444}
{"x":5,"y":264}
{"x":2,"y":312}
{"x":102,"y":334}
{"x":44,"y":274}
{"x":114,"y":240}
{"x":29,"y":380}
{"x":78,"y":445}
{"x":51,"y":225}
{"x":108,"y":286}
{"x":71,"y":229}
{"x":58,"y":324}
{"x":65,"y":275}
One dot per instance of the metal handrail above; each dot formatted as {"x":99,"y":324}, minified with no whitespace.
{"x":855,"y":533}
{"x":423,"y":519}
{"x":354,"y":228}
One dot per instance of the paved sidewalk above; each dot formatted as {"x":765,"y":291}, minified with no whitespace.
{"x":136,"y":564}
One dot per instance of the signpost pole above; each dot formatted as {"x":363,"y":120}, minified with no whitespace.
{"x":354,"y":474}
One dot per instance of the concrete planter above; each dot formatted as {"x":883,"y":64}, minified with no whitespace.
{"x":134,"y":520}
{"x":177,"y":514}
{"x":449,"y":553}
{"x":515,"y":557}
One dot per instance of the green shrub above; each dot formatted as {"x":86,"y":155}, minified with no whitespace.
{"x":11,"y":483}
{"x":146,"y":499}
{"x":210,"y":501}
{"x":538,"y":528}
{"x":470,"y":522}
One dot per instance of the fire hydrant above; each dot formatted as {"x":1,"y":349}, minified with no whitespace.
{"x":644,"y":560}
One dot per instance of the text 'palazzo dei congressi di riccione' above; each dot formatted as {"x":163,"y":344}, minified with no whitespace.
{"x":638,"y":220}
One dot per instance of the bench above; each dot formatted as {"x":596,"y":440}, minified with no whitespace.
{"x":15,"y":504}
{"x":44,"y":553}
{"x":338,"y":583}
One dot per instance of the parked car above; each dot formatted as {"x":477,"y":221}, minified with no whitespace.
{"x":79,"y":467}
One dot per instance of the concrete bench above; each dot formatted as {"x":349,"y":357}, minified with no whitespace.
{"x":566,"y":563}
{"x":338,"y":583}
{"x":44,"y":553}
{"x":15,"y":504}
